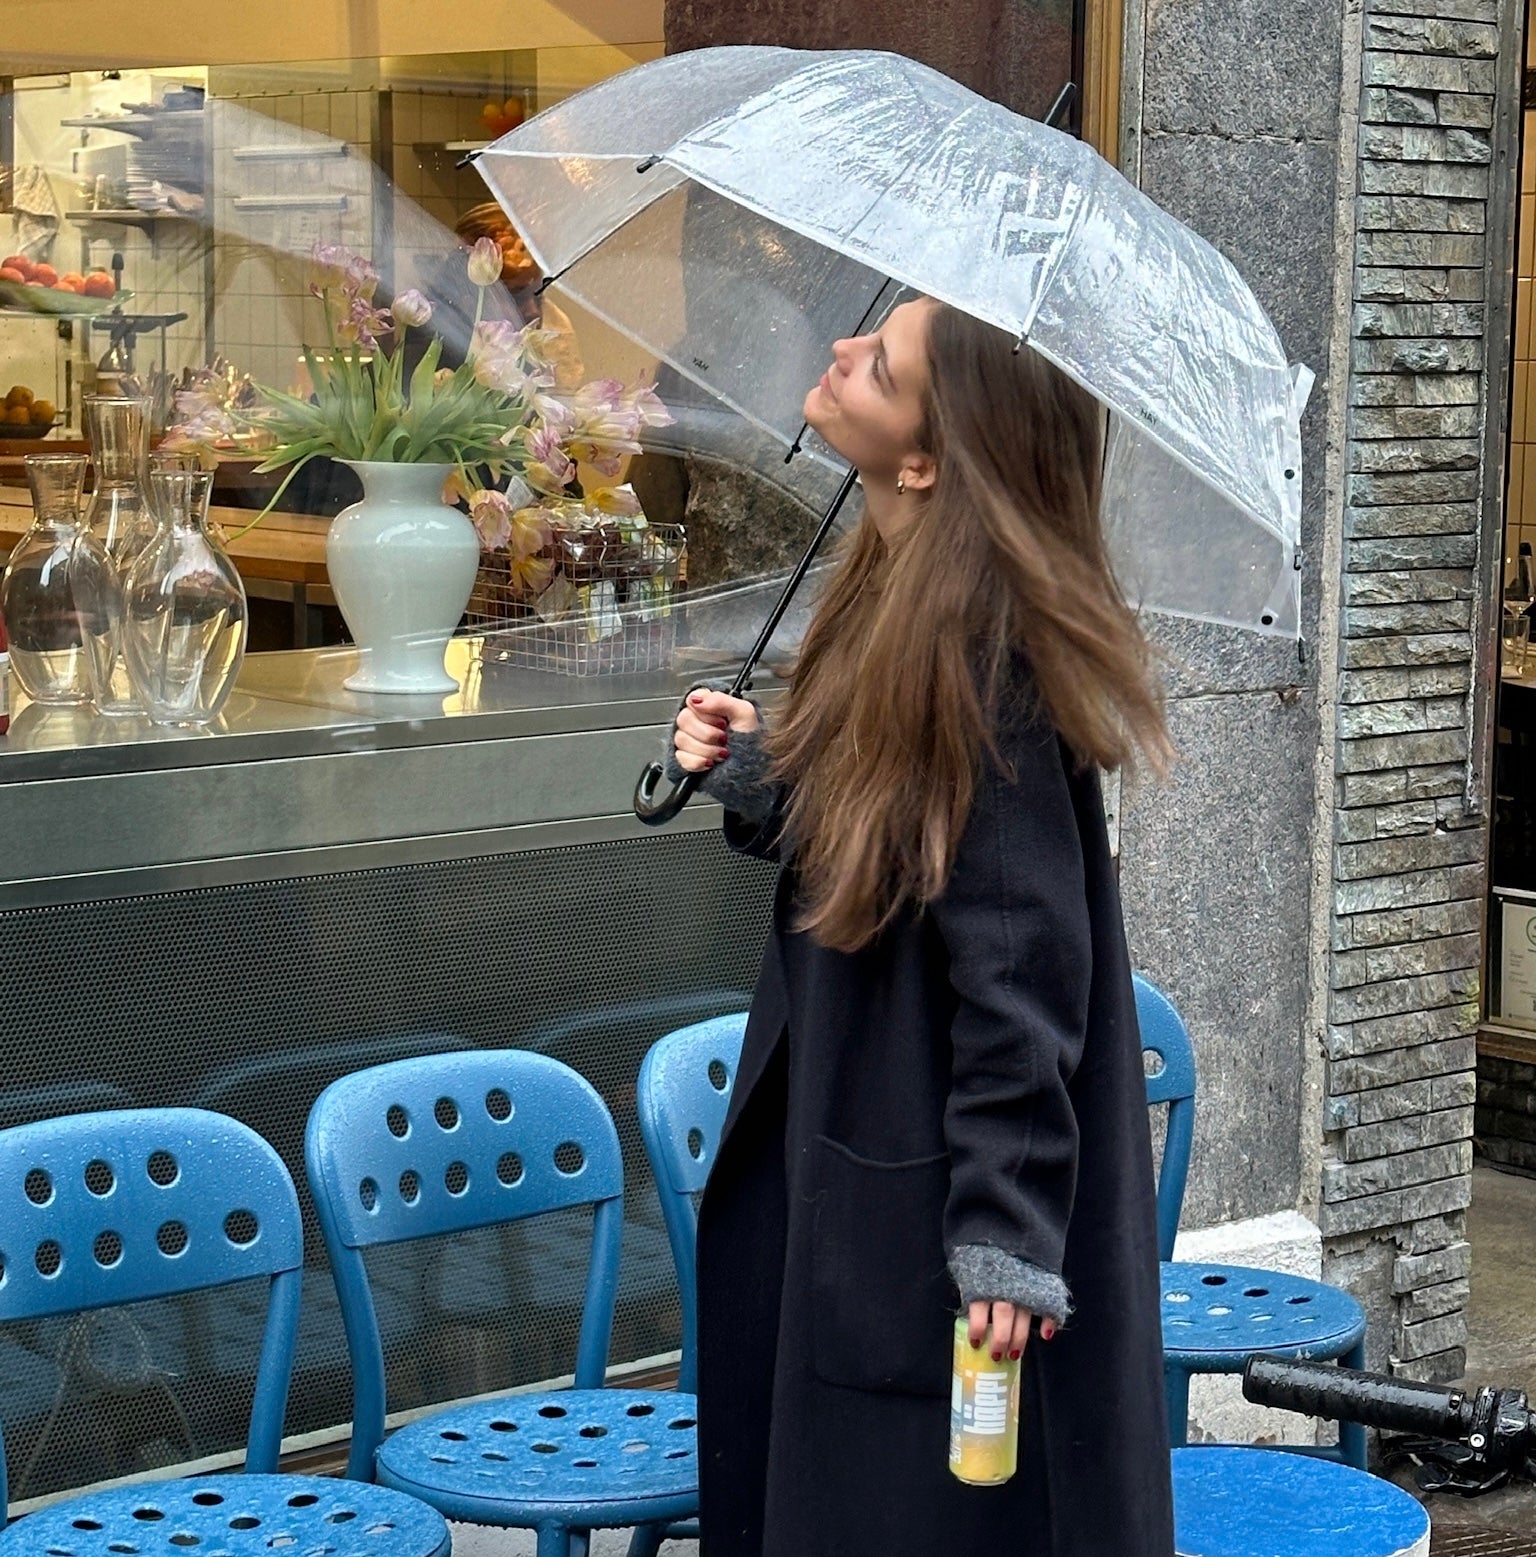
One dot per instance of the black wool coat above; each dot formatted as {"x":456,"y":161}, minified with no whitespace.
{"x":972,"y":1077}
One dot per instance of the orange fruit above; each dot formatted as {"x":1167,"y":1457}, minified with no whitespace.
{"x":513,"y":112}
{"x":100,"y":284}
{"x":11,"y":274}
{"x":71,"y":278}
{"x":44,"y":413}
{"x":45,"y":274}
{"x":18,"y":415}
{"x":20,"y":395}
{"x":18,"y":262}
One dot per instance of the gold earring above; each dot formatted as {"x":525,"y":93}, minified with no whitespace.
{"x":901,"y":485}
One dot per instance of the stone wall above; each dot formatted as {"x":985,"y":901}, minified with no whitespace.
{"x":1238,"y":136}
{"x":1408,"y":879}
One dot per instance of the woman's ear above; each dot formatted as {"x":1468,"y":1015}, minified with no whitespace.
{"x":918,"y":472}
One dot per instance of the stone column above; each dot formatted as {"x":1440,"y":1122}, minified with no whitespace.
{"x":1408,"y":882}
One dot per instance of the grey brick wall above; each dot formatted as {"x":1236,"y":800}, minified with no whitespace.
{"x":1407,"y":861}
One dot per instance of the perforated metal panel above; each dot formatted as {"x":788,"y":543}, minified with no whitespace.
{"x":250,"y":1000}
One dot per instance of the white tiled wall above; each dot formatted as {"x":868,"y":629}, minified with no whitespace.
{"x":431,"y":192}
{"x":262,"y":310}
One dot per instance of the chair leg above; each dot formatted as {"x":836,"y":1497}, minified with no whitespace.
{"x":581,"y":1541}
{"x":1352,"y":1434}
{"x":1176,"y":1393}
{"x":646,"y":1541}
{"x":554,"y":1541}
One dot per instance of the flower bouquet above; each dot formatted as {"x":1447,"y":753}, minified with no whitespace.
{"x":508,"y":428}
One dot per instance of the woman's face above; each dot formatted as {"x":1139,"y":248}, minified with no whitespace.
{"x":869,"y":403}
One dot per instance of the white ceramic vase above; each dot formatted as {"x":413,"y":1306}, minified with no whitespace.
{"x":402,"y":564}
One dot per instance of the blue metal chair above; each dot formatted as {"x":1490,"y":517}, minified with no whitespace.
{"x":446,"y":1144}
{"x":682,"y":1097}
{"x":103,"y":1209}
{"x":1170,"y":1081}
{"x":1240,"y":1502}
{"x":1215,"y":1317}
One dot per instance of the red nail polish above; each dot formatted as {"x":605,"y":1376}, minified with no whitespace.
{"x":1014,"y":1356}
{"x":997,"y":1356}
{"x":724,"y":754}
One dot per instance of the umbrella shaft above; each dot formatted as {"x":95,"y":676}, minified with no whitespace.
{"x":776,"y":615}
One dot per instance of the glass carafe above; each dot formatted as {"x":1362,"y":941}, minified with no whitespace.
{"x":48,"y":657}
{"x":120,"y":520}
{"x":184,"y":623}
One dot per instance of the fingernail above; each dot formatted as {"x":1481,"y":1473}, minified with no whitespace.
{"x":724,"y":754}
{"x":975,"y":1346}
{"x":997,"y":1356}
{"x":695,"y":699}
{"x":1014,"y":1356}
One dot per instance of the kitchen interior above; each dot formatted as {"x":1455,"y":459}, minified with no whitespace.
{"x":186,"y":202}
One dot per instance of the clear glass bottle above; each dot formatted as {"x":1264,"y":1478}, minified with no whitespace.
{"x":121,"y":522}
{"x":47,"y":649}
{"x":184,"y":622}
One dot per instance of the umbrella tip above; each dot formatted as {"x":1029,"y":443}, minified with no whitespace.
{"x":648,"y":164}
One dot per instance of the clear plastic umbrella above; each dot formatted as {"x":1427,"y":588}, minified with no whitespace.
{"x":735,"y":210}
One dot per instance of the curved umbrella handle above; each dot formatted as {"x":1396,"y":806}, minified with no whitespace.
{"x":656,"y":813}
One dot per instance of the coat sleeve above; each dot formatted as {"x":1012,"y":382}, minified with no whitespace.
{"x":1014,"y":921}
{"x":754,"y":805}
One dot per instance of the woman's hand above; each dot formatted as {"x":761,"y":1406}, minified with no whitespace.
{"x":1009,"y":1326}
{"x":700,"y":736}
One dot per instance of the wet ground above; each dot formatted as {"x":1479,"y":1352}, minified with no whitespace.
{"x":1501,"y":1350}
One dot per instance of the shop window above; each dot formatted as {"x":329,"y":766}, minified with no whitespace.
{"x":186,"y":202}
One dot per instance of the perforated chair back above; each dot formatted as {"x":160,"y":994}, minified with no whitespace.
{"x":683,"y":1095}
{"x":1170,"y":1080}
{"x":101,"y":1209}
{"x":447,"y":1143}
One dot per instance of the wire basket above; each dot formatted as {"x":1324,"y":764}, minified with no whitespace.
{"x":602,"y":599}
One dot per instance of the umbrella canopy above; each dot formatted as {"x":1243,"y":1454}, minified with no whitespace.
{"x":735,"y":210}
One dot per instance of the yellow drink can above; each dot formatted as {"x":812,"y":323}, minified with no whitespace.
{"x":983,"y":1414}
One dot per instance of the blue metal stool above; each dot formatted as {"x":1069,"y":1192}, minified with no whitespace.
{"x":1215,"y":1317}
{"x":102,"y":1209}
{"x":1237,"y":1502}
{"x":448,"y":1143}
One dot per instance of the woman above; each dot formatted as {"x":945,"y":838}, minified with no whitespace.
{"x":940,"y":1101}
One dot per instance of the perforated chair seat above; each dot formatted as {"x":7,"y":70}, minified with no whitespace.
{"x":232,"y":1516}
{"x":1241,"y":1502}
{"x":599,"y":1458}
{"x":1217,"y":1316}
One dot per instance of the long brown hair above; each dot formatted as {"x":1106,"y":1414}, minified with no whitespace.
{"x":896,"y":692}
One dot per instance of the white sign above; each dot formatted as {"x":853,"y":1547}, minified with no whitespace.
{"x":1517,"y":965}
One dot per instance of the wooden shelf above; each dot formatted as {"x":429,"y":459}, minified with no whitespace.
{"x":1506,"y":1043}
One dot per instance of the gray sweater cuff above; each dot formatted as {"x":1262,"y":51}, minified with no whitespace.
{"x":740,"y":783}
{"x":985,"y":1274}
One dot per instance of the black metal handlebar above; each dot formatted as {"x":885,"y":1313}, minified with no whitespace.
{"x":1494,"y":1429}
